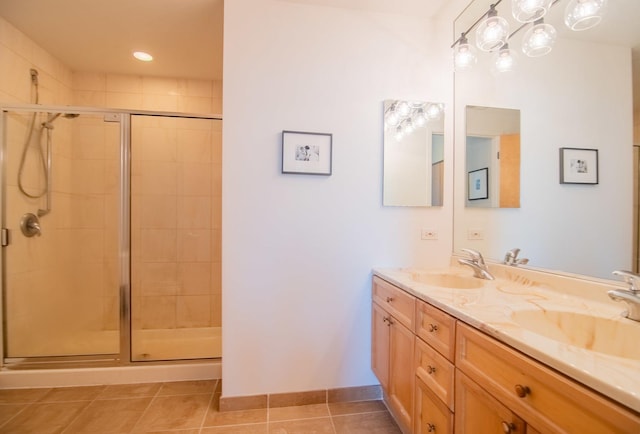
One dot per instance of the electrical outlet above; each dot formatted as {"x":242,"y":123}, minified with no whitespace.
{"x":475,"y":234}
{"x":429,"y":234}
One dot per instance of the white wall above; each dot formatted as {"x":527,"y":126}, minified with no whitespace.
{"x":298,"y":250}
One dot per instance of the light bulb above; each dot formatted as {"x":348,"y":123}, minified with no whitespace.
{"x":434,"y":111}
{"x":504,"y":60}
{"x":403,"y":108}
{"x":408,"y":126}
{"x":527,"y":11}
{"x":584,"y":14}
{"x":492,"y":32}
{"x":420,"y":119}
{"x":464,"y":55}
{"x":539,"y":39}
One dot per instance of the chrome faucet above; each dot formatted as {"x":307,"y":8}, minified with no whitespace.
{"x":477,"y":264}
{"x":511,"y":258}
{"x":631,"y":296}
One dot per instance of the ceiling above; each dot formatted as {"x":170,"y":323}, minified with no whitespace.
{"x":184,"y":36}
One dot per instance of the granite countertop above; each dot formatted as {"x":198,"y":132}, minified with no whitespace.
{"x":492,"y":306}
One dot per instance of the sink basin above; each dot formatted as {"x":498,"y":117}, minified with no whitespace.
{"x":447,"y":280}
{"x":613,"y":336}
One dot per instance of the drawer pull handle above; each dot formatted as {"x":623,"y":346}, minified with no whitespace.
{"x":507,"y":427}
{"x":431,"y":427}
{"x":389,"y":299}
{"x":431,"y":369}
{"x":522,"y":391}
{"x":433,"y":328}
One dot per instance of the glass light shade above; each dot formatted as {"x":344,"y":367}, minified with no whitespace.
{"x":584,"y":14}
{"x":464,"y":56}
{"x":399,"y":133}
{"x":408,"y":126}
{"x":492,"y":33}
{"x":504,"y":60}
{"x":403,"y":108}
{"x":539,"y":40}
{"x":420,"y":118}
{"x":434,"y":111}
{"x":391,"y":117}
{"x":527,"y":11}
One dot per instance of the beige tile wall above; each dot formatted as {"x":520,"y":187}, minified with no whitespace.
{"x":176,"y":203}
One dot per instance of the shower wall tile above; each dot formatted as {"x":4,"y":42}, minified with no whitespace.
{"x":123,"y":83}
{"x":194,"y":278}
{"x":156,"y":177}
{"x":89,"y":98}
{"x":194,"y":104}
{"x":158,"y":245}
{"x":122,"y":100}
{"x":158,"y":278}
{"x":160,"y":86}
{"x":158,"y":211}
{"x":195,"y":145}
{"x":158,"y":312}
{"x":88,"y":81}
{"x":194,"y":245}
{"x":199,"y":88}
{"x":193,"y":311}
{"x":195,"y":179}
{"x":157,"y":144}
{"x":194,"y":212}
{"x":167,"y":103}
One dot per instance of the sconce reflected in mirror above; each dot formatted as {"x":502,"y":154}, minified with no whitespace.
{"x":413,"y":153}
{"x":493,"y":157}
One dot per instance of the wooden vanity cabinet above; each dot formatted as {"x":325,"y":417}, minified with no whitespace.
{"x":393,"y":340}
{"x":544,"y":399}
{"x":442,"y":376}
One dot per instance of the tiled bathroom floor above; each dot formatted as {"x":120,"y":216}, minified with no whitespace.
{"x":185,"y":407}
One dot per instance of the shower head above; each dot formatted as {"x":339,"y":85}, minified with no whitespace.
{"x":53,"y":116}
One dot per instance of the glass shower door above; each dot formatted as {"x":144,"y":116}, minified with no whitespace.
{"x":175,"y":238}
{"x":61,"y":194}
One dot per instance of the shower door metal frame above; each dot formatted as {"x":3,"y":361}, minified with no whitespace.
{"x":122,"y":116}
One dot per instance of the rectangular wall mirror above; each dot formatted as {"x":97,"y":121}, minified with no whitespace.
{"x":493,"y":151}
{"x":579,"y":95}
{"x":413,"y":153}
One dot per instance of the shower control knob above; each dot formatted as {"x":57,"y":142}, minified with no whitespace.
{"x":30,"y":225}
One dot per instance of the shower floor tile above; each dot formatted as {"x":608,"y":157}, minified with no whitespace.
{"x":185,"y":407}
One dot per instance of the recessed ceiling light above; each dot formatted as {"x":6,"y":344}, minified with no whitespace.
{"x":141,"y":55}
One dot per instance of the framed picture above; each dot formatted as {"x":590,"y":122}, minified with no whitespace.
{"x":306,"y":153}
{"x":578,"y":166}
{"x":478,"y":184}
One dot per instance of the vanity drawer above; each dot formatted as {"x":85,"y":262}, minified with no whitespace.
{"x":395,"y":301}
{"x":544,"y":398}
{"x":436,"y":328}
{"x":431,"y":415}
{"x":435,"y":372}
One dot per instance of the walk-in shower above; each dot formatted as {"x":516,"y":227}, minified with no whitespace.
{"x":111,"y":236}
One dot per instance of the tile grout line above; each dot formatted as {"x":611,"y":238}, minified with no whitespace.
{"x":64,"y":430}
{"x":153,"y":398}
{"x":206,"y":413}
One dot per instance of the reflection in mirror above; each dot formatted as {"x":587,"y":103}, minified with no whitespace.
{"x":493,"y":143}
{"x":413,"y":153}
{"x":579,"y":95}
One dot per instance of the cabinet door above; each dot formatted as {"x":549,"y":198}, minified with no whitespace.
{"x":431,"y":414}
{"x":479,"y":412}
{"x":401,"y":373}
{"x":380,"y":323}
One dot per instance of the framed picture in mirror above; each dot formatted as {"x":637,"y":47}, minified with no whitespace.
{"x":578,"y":166}
{"x":478,"y":183}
